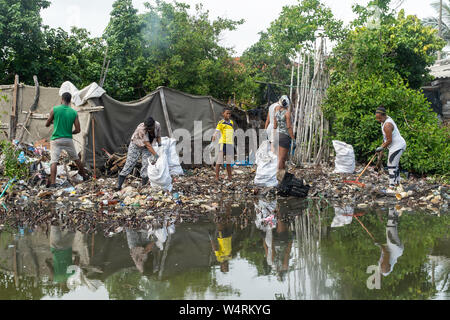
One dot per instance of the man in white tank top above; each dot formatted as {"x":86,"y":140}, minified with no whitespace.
{"x":393,"y":141}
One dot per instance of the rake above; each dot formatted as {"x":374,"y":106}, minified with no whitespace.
{"x":357,"y":179}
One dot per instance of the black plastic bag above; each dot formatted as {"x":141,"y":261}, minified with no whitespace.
{"x":293,"y":187}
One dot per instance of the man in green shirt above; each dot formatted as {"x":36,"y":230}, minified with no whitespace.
{"x":63,"y":118}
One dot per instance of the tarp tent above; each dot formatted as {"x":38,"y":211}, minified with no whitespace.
{"x":173,"y":109}
{"x":115,"y":123}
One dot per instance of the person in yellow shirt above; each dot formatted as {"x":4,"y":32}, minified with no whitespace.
{"x":225,"y":128}
{"x":222,"y":245}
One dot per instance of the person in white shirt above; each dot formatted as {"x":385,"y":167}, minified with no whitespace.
{"x":393,"y":141}
{"x":393,"y":249}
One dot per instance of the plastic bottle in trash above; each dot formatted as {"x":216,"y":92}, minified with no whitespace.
{"x":21,"y":157}
{"x":176,"y":196}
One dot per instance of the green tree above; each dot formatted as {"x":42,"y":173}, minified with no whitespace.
{"x":123,"y":38}
{"x":21,"y":39}
{"x":386,"y":66}
{"x":270,"y":59}
{"x":74,"y":57}
{"x":183,"y":52}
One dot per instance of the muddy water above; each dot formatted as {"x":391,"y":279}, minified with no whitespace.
{"x":262,"y":250}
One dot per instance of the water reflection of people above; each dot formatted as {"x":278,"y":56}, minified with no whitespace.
{"x":393,"y":249}
{"x":222,"y":242}
{"x":140,"y":246}
{"x":61,"y":242}
{"x":277,"y":238}
{"x":266,"y":221}
{"x":282,"y":242}
{"x":146,"y":245}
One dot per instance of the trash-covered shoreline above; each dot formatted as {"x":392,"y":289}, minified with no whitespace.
{"x":194,"y":193}
{"x":197,"y":194}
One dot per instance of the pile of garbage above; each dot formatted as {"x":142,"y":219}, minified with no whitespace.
{"x":193,"y":193}
{"x":414,"y":192}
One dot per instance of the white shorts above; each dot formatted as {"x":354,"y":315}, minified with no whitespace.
{"x":56,"y":146}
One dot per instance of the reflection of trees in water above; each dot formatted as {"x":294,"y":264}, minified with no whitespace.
{"x":310,"y":275}
{"x":192,"y":284}
{"x":349,"y":251}
{"x":438,"y":267}
{"x":27,"y":288}
{"x":439,"y":271}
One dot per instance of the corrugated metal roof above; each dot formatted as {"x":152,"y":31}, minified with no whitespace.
{"x":441,"y":69}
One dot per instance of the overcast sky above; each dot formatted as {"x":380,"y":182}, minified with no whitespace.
{"x":94,"y":15}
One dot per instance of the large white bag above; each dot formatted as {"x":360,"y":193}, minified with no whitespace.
{"x":343,"y":216}
{"x":174,"y":160}
{"x":170,"y":149}
{"x":345,"y":157}
{"x":159,"y":174}
{"x":267,"y":162}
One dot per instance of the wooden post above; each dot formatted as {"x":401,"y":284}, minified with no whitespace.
{"x":166,"y":114}
{"x":16,"y":272}
{"x":291,"y":87}
{"x":213,"y":112}
{"x":92,"y":246}
{"x":106,"y":73}
{"x":32,"y":109}
{"x":440,"y":28}
{"x":93,"y":143}
{"x":297,"y":104}
{"x":14,"y":111}
{"x":103,"y":67}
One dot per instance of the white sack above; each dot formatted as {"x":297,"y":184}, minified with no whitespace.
{"x":267,"y":162}
{"x":343,"y":216}
{"x":173,"y":159}
{"x":345,"y":157}
{"x":159,"y":174}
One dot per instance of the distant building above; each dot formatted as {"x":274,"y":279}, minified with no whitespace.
{"x":438,"y":92}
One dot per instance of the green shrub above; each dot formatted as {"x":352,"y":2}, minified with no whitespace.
{"x":10,"y":164}
{"x":351,"y":106}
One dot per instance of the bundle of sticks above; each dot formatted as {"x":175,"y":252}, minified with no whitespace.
{"x":115,"y":163}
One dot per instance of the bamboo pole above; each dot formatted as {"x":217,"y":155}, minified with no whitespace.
{"x":291,"y":87}
{"x":440,"y":27}
{"x":165,"y":112}
{"x":93,"y":144}
{"x":14,"y":111}
{"x":298,"y":99}
{"x":310,"y":124}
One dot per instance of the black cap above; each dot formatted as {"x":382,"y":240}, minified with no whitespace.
{"x":381,"y":110}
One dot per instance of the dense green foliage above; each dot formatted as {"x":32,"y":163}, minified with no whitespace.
{"x":270,"y":59}
{"x":30,"y":48}
{"x":11,"y":167}
{"x":380,"y":58}
{"x":21,"y":39}
{"x":164,"y":46}
{"x":386,"y":66}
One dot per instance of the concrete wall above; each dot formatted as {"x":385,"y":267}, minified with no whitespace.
{"x":48,"y":98}
{"x":444,"y":88}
